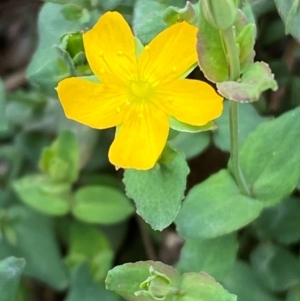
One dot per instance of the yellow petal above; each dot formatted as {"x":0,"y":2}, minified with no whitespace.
{"x":140,"y":139}
{"x":190,"y":101}
{"x":96,"y":105}
{"x":110,"y":48}
{"x":170,"y":54}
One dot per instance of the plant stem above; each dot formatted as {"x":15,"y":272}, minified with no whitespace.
{"x":234,"y":67}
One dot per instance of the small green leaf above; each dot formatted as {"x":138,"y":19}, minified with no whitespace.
{"x":276,"y":267}
{"x":173,"y":14}
{"x":128,"y":279}
{"x":280,"y":222}
{"x":10,"y":273}
{"x":42,"y":194}
{"x":201,"y":286}
{"x":184,"y":127}
{"x":89,"y":244}
{"x":61,"y":160}
{"x":211,"y":55}
{"x":269,"y":149}
{"x":158,"y":192}
{"x":220,"y":194}
{"x":246,"y":41}
{"x":256,"y":79}
{"x":100,"y":204}
{"x":206,"y":255}
{"x":243,"y":282}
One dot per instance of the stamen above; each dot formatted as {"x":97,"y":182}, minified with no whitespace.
{"x":118,"y":110}
{"x":147,"y":47}
{"x":128,"y":103}
{"x":119,"y":52}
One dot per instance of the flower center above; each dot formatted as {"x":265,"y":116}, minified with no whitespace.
{"x":140,"y":88}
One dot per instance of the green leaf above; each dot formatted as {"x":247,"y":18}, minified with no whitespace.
{"x":184,"y":127}
{"x":10,"y":273}
{"x":243,"y":282}
{"x":265,"y":153}
{"x":256,"y":79}
{"x":100,"y":204}
{"x":148,"y":18}
{"x":172,"y":14}
{"x":218,"y":194}
{"x":3,"y":121}
{"x":37,"y":244}
{"x":40,"y":193}
{"x":201,"y":286}
{"x":83,"y":288}
{"x":127,"y":279}
{"x":43,"y":69}
{"x":246,"y":42}
{"x":277,"y":268}
{"x":190,"y":144}
{"x":290,"y":13}
{"x":214,"y":256}
{"x":211,"y":56}
{"x":249,"y":121}
{"x":89,"y":244}
{"x":158,"y":192}
{"x":61,"y":160}
{"x":281,"y":222}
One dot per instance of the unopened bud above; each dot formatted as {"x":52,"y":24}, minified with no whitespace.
{"x":219,"y":13}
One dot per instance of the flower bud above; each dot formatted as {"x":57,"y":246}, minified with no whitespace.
{"x":219,"y":13}
{"x":157,"y":285}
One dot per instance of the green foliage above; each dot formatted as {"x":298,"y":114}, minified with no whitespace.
{"x":148,"y":17}
{"x":160,"y":191}
{"x":39,"y":248}
{"x":251,"y":119}
{"x":256,"y":79}
{"x":67,"y":220}
{"x":151,"y":280}
{"x":269,"y":146}
{"x":290,"y":13}
{"x":10,"y":274}
{"x":103,"y":205}
{"x":219,"y":194}
{"x":214,"y":256}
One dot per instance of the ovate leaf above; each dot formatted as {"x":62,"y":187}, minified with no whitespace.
{"x":101,"y":204}
{"x":158,"y":192}
{"x":215,"y":207}
{"x":270,"y":158}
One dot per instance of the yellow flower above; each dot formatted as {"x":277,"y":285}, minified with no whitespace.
{"x":138,"y":94}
